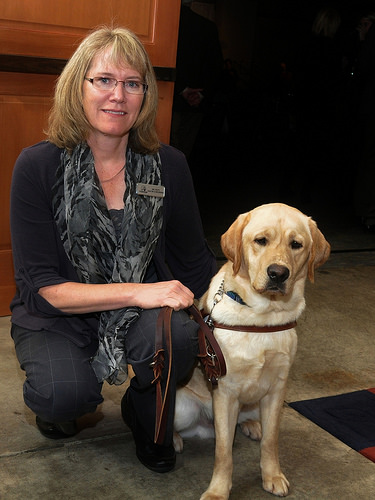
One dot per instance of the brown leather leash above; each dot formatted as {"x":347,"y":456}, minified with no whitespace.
{"x":163,"y":331}
{"x":210,"y":355}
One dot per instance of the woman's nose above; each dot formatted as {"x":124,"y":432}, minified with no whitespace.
{"x":119,"y":92}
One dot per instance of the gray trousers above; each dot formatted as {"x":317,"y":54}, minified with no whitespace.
{"x":61,"y":385}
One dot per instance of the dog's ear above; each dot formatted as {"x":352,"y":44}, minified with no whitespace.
{"x":320,"y":250}
{"x":231,"y":241}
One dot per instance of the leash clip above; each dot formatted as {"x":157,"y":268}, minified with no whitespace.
{"x":209,"y":321}
{"x":218,"y":295}
{"x":212,"y":356}
{"x":217,"y":298}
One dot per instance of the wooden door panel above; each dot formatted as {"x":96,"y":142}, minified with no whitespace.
{"x":73,"y":14}
{"x":53,"y":29}
{"x":7,"y":286}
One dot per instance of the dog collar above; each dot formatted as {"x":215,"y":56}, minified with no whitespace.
{"x":230,"y":293}
{"x":253,"y":328}
{"x":241,"y":328}
{"x":236,"y":297}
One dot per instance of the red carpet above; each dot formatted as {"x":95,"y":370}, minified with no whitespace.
{"x":349,"y":417}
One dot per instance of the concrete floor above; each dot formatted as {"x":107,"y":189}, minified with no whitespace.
{"x":335,"y":355}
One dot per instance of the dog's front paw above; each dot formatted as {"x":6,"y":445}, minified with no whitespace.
{"x":277,"y":485}
{"x":178,"y":442}
{"x":207,"y":495}
{"x":252,"y":429}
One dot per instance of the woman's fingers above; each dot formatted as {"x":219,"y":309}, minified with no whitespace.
{"x":165,"y":293}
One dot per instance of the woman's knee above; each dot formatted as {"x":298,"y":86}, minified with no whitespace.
{"x":185,"y":344}
{"x":59,"y":401}
{"x":141,"y":345}
{"x":60,"y":382}
{"x":184,"y":333}
{"x":140,"y":339}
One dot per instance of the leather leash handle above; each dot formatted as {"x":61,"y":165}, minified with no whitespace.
{"x":210,"y":353}
{"x":163,"y":332}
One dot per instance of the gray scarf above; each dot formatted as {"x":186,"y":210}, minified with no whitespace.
{"x":89,"y":239}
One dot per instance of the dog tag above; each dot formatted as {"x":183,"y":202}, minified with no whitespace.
{"x":150,"y":190}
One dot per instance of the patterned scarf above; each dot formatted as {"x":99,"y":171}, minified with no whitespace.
{"x":89,"y":239}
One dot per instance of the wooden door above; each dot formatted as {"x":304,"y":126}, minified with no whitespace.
{"x":36,"y":39}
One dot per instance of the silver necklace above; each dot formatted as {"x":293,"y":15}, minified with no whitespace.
{"x":111,"y":178}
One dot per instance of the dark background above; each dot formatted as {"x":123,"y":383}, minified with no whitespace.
{"x":251,"y":149}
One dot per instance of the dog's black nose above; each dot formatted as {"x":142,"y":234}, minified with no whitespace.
{"x":277,"y":273}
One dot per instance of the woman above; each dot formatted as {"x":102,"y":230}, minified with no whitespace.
{"x":105,"y":231}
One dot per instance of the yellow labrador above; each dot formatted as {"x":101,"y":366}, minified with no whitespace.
{"x":270,"y":251}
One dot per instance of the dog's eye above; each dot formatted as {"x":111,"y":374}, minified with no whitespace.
{"x":261,"y":241}
{"x":296,"y":244}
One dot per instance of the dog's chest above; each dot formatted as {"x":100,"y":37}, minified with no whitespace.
{"x":256,"y":363}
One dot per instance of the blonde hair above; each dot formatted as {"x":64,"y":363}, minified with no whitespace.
{"x":326,"y":23}
{"x":68,"y":125}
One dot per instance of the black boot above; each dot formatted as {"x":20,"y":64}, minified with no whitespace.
{"x":155,"y":457}
{"x":58,"y":430}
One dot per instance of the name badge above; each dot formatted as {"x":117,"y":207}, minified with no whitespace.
{"x":150,"y":190}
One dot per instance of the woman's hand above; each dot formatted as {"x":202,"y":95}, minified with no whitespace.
{"x":192,"y":96}
{"x":164,"y":293}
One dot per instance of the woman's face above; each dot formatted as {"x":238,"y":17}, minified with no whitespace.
{"x":110,"y":113}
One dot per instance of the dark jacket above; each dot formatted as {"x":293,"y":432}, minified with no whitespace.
{"x":39,"y":257}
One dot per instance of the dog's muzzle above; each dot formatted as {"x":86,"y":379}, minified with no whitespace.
{"x":277,"y":276}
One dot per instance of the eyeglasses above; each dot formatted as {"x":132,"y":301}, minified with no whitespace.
{"x":109,"y":84}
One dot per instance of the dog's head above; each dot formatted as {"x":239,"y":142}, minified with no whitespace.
{"x":275,"y":245}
